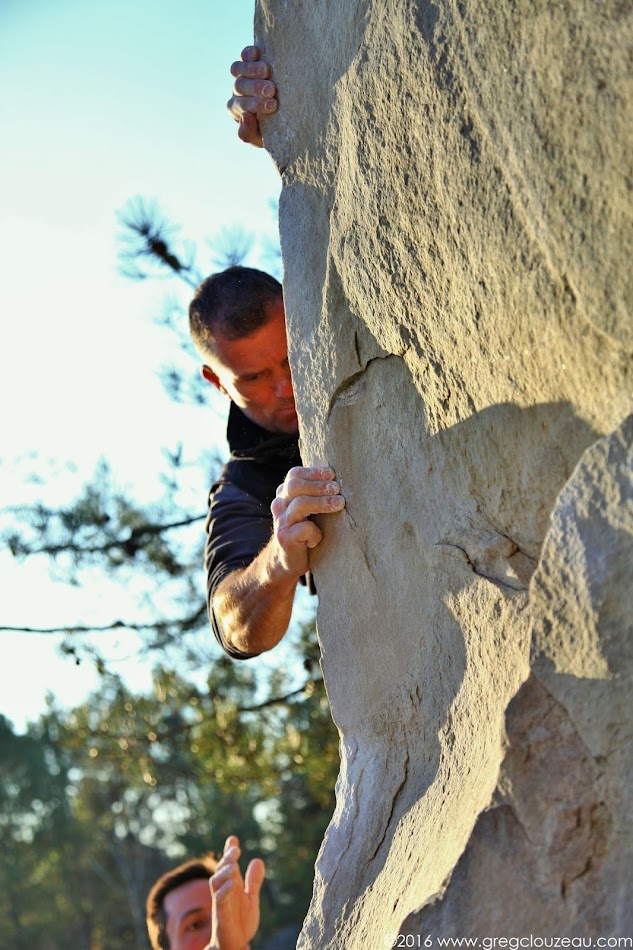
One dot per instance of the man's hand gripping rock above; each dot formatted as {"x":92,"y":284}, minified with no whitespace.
{"x":304,"y":492}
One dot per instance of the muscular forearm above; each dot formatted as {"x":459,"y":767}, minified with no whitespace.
{"x":253,"y":605}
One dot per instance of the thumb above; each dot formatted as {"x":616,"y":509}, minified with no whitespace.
{"x":254,"y":878}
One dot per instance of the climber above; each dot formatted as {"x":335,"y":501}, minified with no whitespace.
{"x":259,"y":531}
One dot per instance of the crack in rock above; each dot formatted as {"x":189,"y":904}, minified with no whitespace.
{"x":349,"y":391}
{"x":396,"y":795}
{"x":355,"y":787}
{"x":498,"y":559}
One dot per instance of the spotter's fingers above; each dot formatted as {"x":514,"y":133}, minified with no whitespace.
{"x":231,"y":842}
{"x":255,"y":873}
{"x":222,"y":876}
{"x":230,"y":857}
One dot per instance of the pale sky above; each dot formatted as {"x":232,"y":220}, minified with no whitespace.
{"x":100,"y":102}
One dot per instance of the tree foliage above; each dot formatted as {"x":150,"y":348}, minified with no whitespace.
{"x":97,"y":800}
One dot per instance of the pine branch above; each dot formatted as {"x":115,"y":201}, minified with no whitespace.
{"x":149,"y":235}
{"x":185,"y":623}
{"x":279,"y":700}
{"x":137,"y":537}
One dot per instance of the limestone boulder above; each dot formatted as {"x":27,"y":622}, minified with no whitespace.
{"x":457,"y":237}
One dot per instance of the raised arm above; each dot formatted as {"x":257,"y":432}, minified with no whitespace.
{"x":254,"y":94}
{"x":253,"y":605}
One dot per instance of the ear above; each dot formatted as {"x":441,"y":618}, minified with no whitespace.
{"x":212,"y":378}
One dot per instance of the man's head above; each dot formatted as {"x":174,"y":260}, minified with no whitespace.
{"x":237,"y":323}
{"x":178,"y":908}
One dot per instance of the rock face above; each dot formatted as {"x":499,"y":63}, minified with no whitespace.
{"x":457,"y":236}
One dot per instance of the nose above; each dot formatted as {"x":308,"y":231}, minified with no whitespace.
{"x":283,"y":384}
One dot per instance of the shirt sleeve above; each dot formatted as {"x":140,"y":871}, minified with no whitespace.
{"x":238,"y":526}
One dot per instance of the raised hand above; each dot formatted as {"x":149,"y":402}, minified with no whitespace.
{"x":235,"y":915}
{"x":254,"y":94}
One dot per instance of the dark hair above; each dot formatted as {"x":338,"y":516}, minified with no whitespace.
{"x":155,"y":916}
{"x":233,"y":303}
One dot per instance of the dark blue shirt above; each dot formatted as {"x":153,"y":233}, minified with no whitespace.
{"x":240,"y":523}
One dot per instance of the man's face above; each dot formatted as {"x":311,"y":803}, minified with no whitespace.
{"x":188,"y":910}
{"x":254,"y":372}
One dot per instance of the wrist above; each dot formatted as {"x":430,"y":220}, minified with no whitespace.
{"x":284,"y":568}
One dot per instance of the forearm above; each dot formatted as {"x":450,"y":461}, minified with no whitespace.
{"x":253,"y":605}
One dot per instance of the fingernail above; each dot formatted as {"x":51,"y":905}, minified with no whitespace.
{"x":270,"y":105}
{"x":338,"y":502}
{"x":268,"y":89}
{"x":326,"y":473}
{"x":333,"y":488}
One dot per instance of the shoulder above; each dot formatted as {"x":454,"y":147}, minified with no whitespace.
{"x":257,"y":475}
{"x":229,"y":492}
{"x":235,"y":513}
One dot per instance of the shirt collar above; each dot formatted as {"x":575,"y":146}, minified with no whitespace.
{"x":243,"y":434}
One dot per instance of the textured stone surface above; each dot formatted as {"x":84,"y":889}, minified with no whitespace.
{"x":553,"y":853}
{"x":456,"y":232}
